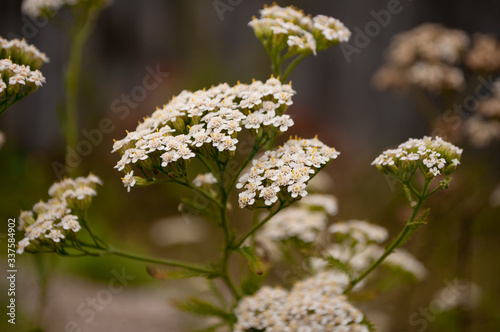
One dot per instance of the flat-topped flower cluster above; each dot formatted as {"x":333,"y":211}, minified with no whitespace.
{"x":484,"y":127}
{"x":433,"y":156}
{"x":357,"y":245}
{"x":19,"y":74}
{"x":283,"y":173}
{"x":279,"y":27}
{"x":206,"y":122}
{"x":304,"y":221}
{"x":58,"y":218}
{"x":36,"y":8}
{"x":314,"y":304}
{"x":20,"y":52}
{"x":15,"y":77}
{"x":427,"y":56}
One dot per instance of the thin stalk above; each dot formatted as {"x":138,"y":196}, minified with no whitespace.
{"x":257,"y":226}
{"x":8,"y":105}
{"x":43,"y":273}
{"x":395,"y":244}
{"x":225,"y":255}
{"x":80,"y":35}
{"x":173,"y":263}
{"x":292,"y":65}
{"x":217,"y":293}
{"x":255,"y":221}
{"x":196,"y":189}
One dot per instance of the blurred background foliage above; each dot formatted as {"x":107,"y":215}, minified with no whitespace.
{"x":335,"y":100}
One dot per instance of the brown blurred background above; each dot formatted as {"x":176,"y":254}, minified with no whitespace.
{"x":335,"y":99}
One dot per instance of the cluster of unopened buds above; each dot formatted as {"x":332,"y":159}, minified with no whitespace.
{"x":433,"y":156}
{"x":281,"y":27}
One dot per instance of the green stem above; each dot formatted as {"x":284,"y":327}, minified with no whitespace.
{"x":9,"y":104}
{"x":292,"y":65}
{"x":259,"y":225}
{"x":94,"y":238}
{"x":80,"y":35}
{"x":188,"y":185}
{"x":255,"y":221}
{"x":395,"y":244}
{"x":173,"y":263}
{"x":227,"y":244}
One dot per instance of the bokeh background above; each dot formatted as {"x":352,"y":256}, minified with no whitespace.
{"x":197,"y":47}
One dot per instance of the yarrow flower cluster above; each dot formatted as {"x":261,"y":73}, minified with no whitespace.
{"x":314,"y":304}
{"x":281,"y":27}
{"x":295,"y":222}
{"x":304,"y":222}
{"x":283,"y":173}
{"x":321,"y":202}
{"x":428,"y":57}
{"x":205,"y":122}
{"x":433,"y":156}
{"x":204,"y":179}
{"x":52,"y":221}
{"x":20,"y":52}
{"x":18,"y":80}
{"x":358,"y":247}
{"x":484,"y":127}
{"x":484,"y":56}
{"x":36,"y":8}
{"x":206,"y":118}
{"x":19,"y":74}
{"x":360,"y":231}
{"x":403,"y":260}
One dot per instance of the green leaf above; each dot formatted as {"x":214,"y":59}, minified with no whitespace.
{"x":252,"y":283}
{"x":408,"y":195}
{"x":215,"y":292}
{"x":253,"y":261}
{"x":203,"y":308}
{"x":415,"y":225}
{"x":369,"y":324}
{"x":339,"y":265}
{"x":173,"y":273}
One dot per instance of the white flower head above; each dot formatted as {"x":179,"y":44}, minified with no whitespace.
{"x":284,"y":171}
{"x":203,"y":179}
{"x":206,"y":121}
{"x":434,"y":155}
